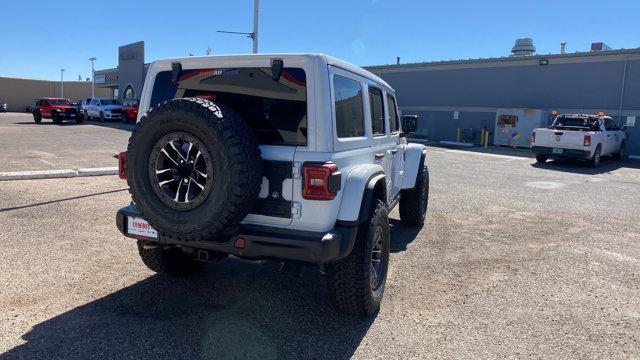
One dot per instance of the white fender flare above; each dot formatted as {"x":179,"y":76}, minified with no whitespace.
{"x":415,"y":156}
{"x":353,"y":189}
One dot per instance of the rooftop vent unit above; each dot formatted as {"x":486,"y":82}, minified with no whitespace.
{"x":600,"y":46}
{"x":523,"y":47}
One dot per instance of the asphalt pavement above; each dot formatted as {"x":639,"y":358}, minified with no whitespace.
{"x":27,"y":146}
{"x":516,"y":260}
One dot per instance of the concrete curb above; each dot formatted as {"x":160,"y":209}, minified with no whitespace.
{"x":56,"y":174}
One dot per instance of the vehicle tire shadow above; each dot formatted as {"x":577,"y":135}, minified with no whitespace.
{"x":580,"y":167}
{"x":234,"y":309}
{"x":402,"y":235}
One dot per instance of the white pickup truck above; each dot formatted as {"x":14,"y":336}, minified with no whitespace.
{"x":579,"y":136}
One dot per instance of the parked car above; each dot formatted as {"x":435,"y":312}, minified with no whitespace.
{"x":84,"y":103}
{"x":30,"y":108}
{"x":130,"y":108}
{"x":579,"y":136}
{"x":300,"y":160}
{"x":55,"y":109}
{"x":3,"y":106}
{"x":104,"y":109}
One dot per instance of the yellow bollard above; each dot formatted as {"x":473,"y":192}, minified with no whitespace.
{"x":486,"y":139}
{"x":458,"y":135}
{"x":482,"y":138}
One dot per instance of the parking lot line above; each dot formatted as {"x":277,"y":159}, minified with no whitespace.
{"x":48,"y":163}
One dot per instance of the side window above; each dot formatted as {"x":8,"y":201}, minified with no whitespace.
{"x":348,"y":103}
{"x":393,"y":114}
{"x":377,"y":111}
{"x":610,"y":124}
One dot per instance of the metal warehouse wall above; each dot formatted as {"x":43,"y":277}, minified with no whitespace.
{"x":18,"y":93}
{"x":587,"y":82}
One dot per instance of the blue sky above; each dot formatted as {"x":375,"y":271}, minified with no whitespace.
{"x":363,"y":32}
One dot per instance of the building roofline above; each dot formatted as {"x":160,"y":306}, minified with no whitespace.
{"x":504,"y":59}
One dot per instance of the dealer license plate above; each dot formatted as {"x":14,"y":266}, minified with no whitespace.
{"x":557,"y":151}
{"x":140,"y":227}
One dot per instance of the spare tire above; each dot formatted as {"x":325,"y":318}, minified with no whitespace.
{"x":193,"y":168}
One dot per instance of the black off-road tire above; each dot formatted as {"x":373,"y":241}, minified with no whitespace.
{"x":414,"y":202}
{"x":349,"y":280}
{"x":622,"y":152}
{"x":102,"y":118}
{"x":541,"y":158}
{"x":168,"y":260}
{"x":56,"y":118}
{"x":37,"y":117}
{"x":79,"y":119}
{"x":236,"y":162}
{"x":594,"y":162}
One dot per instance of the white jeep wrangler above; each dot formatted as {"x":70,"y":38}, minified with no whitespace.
{"x":294,"y":158}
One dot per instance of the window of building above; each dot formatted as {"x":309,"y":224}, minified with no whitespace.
{"x":377,"y":111}
{"x":507,"y":120}
{"x":393,"y":113}
{"x":129,"y":93}
{"x":348,"y":104}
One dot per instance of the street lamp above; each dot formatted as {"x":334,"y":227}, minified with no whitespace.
{"x":93,"y":80}
{"x":61,"y":83}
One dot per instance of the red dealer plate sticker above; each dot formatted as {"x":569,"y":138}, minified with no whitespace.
{"x":138,"y":226}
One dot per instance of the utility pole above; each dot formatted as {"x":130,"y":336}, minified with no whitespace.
{"x":93,"y":78}
{"x":61,"y":83}
{"x":254,"y":34}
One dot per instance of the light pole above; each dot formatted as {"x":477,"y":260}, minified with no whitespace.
{"x":93,"y":80}
{"x":254,"y":34}
{"x":61,"y":83}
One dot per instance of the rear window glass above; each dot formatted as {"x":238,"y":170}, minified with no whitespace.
{"x":575,"y":122}
{"x":275,"y":110}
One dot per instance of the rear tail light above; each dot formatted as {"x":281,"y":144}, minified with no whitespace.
{"x":587,"y":140}
{"x":321,"y":181}
{"x":533,"y":136}
{"x":122,"y":165}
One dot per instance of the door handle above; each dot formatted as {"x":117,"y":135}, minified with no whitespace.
{"x":379,"y":156}
{"x":394,"y":151}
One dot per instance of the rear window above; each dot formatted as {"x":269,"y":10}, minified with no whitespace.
{"x":564,"y":122}
{"x":275,"y":110}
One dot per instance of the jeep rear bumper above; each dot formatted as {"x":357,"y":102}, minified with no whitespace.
{"x":262,"y":242}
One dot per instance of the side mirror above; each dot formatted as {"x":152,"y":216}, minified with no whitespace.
{"x":623,"y":127}
{"x":409,"y":123}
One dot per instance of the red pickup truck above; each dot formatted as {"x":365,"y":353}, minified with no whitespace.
{"x":55,"y":109}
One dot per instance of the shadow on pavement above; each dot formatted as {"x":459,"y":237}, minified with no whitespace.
{"x":580,"y":167}
{"x":49,"y":122}
{"x":401,"y":235}
{"x":107,"y":124}
{"x":234,"y":309}
{"x":60,"y":200}
{"x":115,"y":124}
